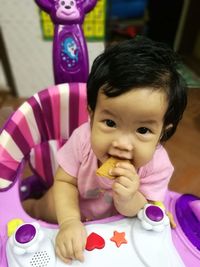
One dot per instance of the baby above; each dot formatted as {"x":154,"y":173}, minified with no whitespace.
{"x":136,"y":98}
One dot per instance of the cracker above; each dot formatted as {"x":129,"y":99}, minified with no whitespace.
{"x":104,"y":169}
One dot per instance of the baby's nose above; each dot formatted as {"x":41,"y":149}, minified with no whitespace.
{"x":122,"y":145}
{"x":122,"y":148}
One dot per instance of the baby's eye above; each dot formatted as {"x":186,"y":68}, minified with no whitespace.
{"x":110,"y":123}
{"x":143,"y":130}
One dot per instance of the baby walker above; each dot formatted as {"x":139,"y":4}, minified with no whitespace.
{"x":33,"y":133}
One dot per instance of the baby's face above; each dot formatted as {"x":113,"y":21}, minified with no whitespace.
{"x":128,"y":126}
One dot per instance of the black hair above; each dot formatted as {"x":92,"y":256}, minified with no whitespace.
{"x":139,"y":63}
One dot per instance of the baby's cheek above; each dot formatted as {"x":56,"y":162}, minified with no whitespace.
{"x":97,"y":148}
{"x":100,"y":144}
{"x":144,"y":156}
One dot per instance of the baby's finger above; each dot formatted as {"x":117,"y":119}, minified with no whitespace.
{"x":119,"y":189}
{"x":78,"y":250}
{"x":121,"y":172}
{"x":60,"y":256}
{"x":79,"y":255}
{"x":126,"y":165}
{"x":124,"y":187}
{"x":67,"y":249}
{"x":125,"y":182}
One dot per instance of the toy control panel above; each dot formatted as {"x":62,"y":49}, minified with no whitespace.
{"x":117,"y":241}
{"x":31,"y":246}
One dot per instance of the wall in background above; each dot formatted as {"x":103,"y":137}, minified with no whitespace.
{"x":3,"y":82}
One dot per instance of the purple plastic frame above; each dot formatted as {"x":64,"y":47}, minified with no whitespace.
{"x":70,"y":55}
{"x":12,"y":209}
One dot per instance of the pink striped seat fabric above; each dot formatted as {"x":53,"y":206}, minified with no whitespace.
{"x":38,"y":128}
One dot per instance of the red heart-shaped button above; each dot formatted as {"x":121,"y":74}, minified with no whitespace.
{"x":94,"y":241}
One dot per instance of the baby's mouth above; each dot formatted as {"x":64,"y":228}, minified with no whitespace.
{"x":120,"y":158}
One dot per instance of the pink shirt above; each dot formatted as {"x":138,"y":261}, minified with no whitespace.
{"x":95,"y":195}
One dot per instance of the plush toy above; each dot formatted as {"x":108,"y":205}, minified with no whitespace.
{"x":70,"y":56}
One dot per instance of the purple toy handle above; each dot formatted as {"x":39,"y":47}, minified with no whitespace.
{"x":70,"y":55}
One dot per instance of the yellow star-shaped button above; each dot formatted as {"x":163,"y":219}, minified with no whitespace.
{"x":119,"y":238}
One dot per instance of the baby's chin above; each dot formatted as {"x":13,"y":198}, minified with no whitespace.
{"x":139,"y":165}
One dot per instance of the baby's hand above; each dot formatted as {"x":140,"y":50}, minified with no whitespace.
{"x":126,"y":183}
{"x":71,"y":241}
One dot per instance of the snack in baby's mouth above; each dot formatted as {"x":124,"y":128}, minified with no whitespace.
{"x":104,"y":169}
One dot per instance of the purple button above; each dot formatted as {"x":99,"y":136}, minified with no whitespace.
{"x":154,"y":213}
{"x":25,"y":233}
